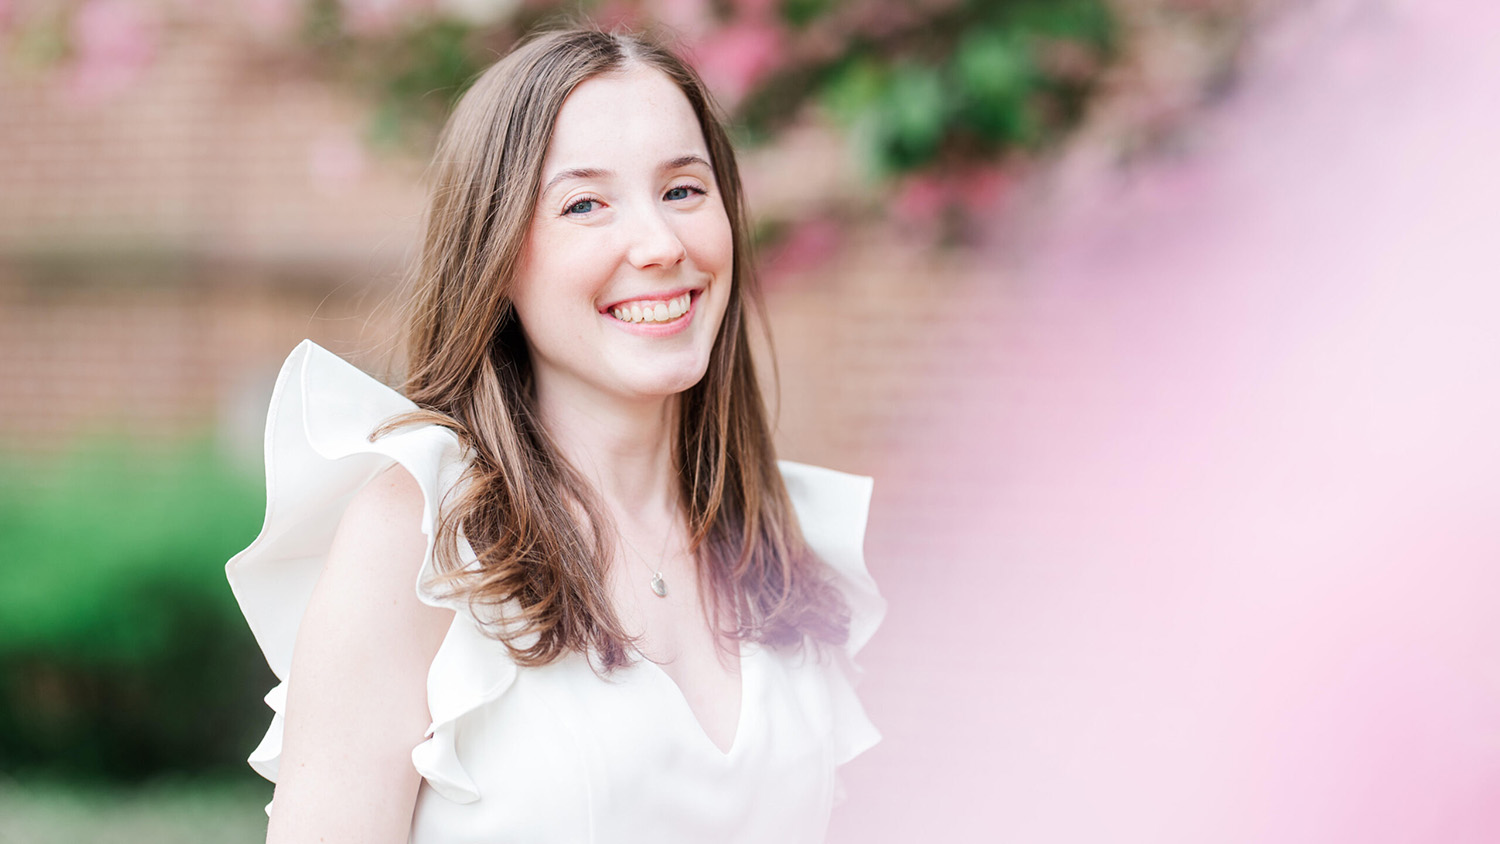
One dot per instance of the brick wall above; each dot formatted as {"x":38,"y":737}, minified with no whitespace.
{"x":160,"y":252}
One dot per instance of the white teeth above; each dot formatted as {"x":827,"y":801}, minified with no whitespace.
{"x":654,"y":312}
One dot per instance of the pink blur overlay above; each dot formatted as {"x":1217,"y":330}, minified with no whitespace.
{"x":1198,"y":539}
{"x":1187,"y":500}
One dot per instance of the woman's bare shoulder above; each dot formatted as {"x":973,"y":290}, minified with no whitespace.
{"x":356,"y":701}
{"x":381,"y":531}
{"x":367,"y":590}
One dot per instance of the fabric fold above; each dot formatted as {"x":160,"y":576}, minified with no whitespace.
{"x":833,"y":509}
{"x":318,"y":455}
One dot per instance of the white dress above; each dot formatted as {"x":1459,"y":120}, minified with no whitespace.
{"x":558,"y":753}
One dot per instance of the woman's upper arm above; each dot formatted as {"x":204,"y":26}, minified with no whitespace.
{"x":357,"y":694}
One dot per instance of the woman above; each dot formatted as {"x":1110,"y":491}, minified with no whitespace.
{"x":628,"y":621}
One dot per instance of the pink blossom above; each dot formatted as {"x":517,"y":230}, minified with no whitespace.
{"x":733,"y":59}
{"x":113,"y":42}
{"x":756,"y":10}
{"x":377,"y":17}
{"x":920,"y":198}
{"x":980,"y":189}
{"x":335,"y":162}
{"x":275,"y":18}
{"x":810,"y":243}
{"x":1065,"y":59}
{"x":615,"y":13}
{"x":690,"y":19}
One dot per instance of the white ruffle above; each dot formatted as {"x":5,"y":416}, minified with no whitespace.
{"x":318,"y":455}
{"x":832,"y":508}
{"x":470,"y":670}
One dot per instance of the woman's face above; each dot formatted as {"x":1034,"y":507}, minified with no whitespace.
{"x":626,"y":271}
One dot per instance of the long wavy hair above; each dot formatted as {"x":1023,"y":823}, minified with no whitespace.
{"x":543,"y":539}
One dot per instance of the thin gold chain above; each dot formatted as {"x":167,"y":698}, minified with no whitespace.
{"x":658,"y":583}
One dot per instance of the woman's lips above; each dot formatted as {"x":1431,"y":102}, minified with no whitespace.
{"x":654,"y":315}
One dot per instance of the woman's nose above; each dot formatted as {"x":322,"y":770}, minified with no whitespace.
{"x":654,"y":241}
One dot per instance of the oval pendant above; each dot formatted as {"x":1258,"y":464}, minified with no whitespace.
{"x":658,"y":585}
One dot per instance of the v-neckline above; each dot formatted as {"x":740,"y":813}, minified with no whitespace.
{"x":736,"y":740}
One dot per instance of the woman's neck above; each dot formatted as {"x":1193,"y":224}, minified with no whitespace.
{"x":623,"y":447}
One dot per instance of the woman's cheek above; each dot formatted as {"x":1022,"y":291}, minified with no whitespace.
{"x":714,"y":242}
{"x":579,"y":260}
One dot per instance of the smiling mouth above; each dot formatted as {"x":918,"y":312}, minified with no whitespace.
{"x":653,"y":310}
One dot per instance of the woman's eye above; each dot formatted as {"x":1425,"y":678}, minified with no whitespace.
{"x":684,"y":191}
{"x":582,"y":206}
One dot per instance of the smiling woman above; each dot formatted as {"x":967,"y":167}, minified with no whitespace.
{"x":622,"y":227}
{"x":561,"y":590}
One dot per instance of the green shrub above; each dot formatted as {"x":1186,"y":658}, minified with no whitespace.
{"x":122,"y":651}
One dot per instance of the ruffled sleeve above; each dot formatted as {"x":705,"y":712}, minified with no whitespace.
{"x":318,"y":455}
{"x":832,"y":508}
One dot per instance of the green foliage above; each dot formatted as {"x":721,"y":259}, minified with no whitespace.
{"x":994,"y":75}
{"x":953,"y":86}
{"x":167,"y":811}
{"x":411,"y":73}
{"x":122,"y":652}
{"x":419,"y":76}
{"x":802,"y":13}
{"x":919,"y":86}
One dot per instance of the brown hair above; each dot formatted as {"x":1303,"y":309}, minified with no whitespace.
{"x":542,"y":538}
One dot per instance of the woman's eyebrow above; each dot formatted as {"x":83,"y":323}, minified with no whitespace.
{"x":600,"y":172}
{"x":683,"y":161}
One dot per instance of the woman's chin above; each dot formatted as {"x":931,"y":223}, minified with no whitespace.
{"x":662,"y":384}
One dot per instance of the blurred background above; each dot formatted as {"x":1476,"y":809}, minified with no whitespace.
{"x":1168,"y":329}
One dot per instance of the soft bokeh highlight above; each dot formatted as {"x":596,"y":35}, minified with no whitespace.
{"x":1199,"y":541}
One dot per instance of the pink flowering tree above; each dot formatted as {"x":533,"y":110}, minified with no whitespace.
{"x":942,"y":102}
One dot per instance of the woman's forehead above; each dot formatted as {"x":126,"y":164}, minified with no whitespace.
{"x":625,"y":119}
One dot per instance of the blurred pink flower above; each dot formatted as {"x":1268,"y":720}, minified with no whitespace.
{"x":757,"y":10}
{"x":920,"y":198}
{"x":1068,"y":60}
{"x":736,"y":57}
{"x":376,"y":17}
{"x":617,"y":13}
{"x":335,"y":162}
{"x":273,"y":18}
{"x":981,"y":188}
{"x":113,"y":42}
{"x":878,"y":19}
{"x":810,"y":243}
{"x":690,"y":19}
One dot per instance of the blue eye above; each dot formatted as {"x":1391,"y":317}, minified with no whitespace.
{"x":582,"y":206}
{"x":684,"y":191}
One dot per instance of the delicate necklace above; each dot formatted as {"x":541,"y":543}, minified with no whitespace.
{"x":658,"y":583}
